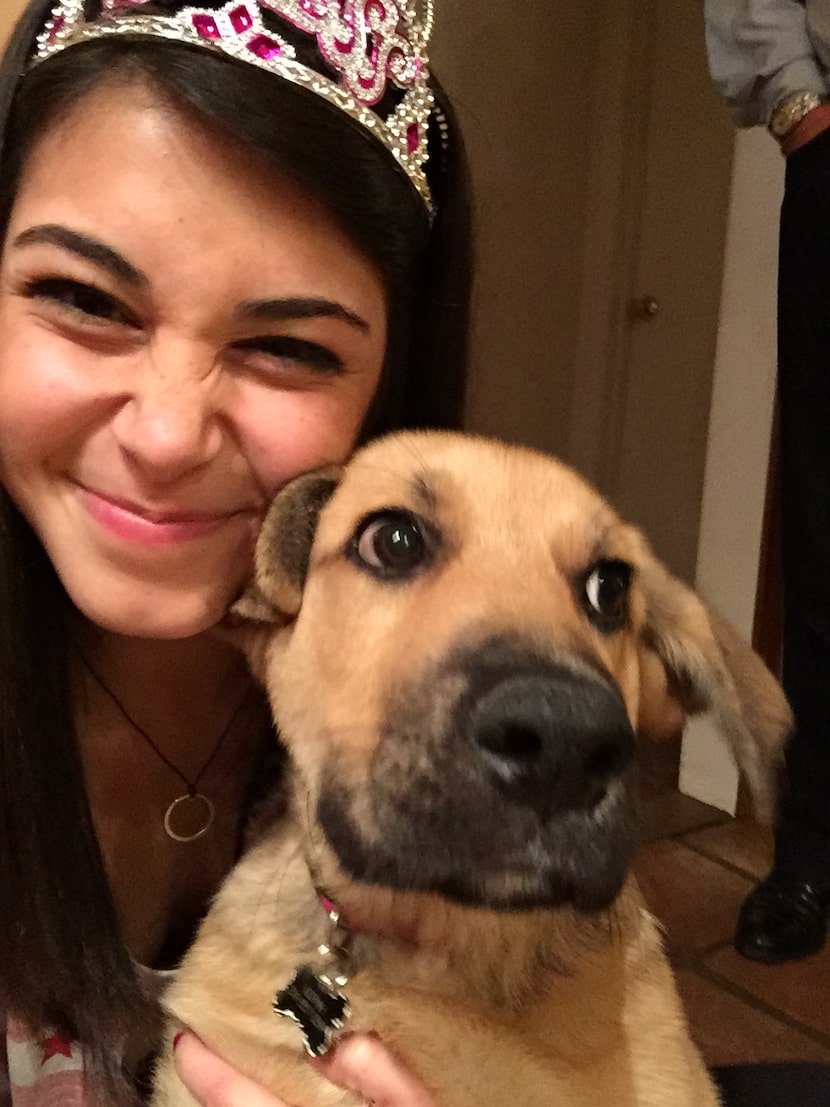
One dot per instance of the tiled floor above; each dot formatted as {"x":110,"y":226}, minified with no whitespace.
{"x":695,"y":866}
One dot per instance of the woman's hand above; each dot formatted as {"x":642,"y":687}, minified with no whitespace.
{"x":359,"y":1062}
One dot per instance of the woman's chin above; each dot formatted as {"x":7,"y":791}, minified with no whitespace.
{"x":152,"y":610}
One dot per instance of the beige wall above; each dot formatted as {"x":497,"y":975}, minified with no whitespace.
{"x":530,"y":158}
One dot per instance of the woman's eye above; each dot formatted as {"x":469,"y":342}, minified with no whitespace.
{"x":82,"y":300}
{"x":606,"y":594}
{"x":392,"y":544}
{"x":298,"y":352}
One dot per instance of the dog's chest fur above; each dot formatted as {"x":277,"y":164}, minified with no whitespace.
{"x":500,"y":1005}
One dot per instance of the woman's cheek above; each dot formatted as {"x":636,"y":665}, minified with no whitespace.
{"x":293,"y":432}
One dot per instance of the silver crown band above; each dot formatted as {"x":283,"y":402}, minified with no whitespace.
{"x":368,"y":44}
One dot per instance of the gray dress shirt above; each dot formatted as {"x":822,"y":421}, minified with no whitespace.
{"x":763,"y":50}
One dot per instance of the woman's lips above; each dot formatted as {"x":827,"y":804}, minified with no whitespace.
{"x":143,"y":526}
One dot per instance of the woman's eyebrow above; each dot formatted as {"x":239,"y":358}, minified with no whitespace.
{"x":298,"y":307}
{"x":269,"y":310}
{"x":90,"y":249}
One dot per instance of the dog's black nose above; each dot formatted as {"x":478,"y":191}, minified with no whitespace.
{"x":552,"y":740}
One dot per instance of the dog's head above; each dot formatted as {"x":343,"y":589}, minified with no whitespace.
{"x":459,"y":640}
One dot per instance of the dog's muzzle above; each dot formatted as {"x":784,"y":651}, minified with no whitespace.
{"x":496,"y":782}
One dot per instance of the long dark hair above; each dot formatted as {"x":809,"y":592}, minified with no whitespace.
{"x":62,"y":962}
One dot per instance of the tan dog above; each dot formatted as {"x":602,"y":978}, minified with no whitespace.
{"x":457,"y":665}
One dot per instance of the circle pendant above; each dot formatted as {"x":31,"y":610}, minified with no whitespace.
{"x":189,"y":817}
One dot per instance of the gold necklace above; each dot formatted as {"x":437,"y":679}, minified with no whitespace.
{"x":181,"y":809}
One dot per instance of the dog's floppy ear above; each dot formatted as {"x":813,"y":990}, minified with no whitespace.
{"x":707,"y":666}
{"x":283,"y":548}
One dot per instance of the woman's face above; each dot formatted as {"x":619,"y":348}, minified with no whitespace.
{"x":181,"y":332}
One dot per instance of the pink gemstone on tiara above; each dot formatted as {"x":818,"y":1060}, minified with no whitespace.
{"x":413,"y":137}
{"x":362,"y":45}
{"x":241,"y":20}
{"x":206,"y":26}
{"x":264,"y":47}
{"x":381,"y":9}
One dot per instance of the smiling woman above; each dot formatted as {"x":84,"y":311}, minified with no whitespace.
{"x":149,"y":355}
{"x":211,"y":281}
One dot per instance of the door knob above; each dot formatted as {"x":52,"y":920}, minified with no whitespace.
{"x":646,"y":307}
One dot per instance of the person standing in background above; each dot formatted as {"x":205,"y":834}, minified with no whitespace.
{"x":770,"y":60}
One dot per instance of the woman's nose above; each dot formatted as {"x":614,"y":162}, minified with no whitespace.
{"x":171,"y":422}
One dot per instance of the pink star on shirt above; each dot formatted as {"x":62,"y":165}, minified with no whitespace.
{"x":55,"y":1046}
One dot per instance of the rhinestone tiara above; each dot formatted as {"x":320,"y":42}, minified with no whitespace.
{"x":371,"y":52}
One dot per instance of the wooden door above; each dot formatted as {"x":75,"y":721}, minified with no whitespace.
{"x":601,"y":159}
{"x":643,"y":377}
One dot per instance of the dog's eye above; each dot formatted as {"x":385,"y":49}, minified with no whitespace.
{"x":606,"y":594}
{"x":392,"y":545}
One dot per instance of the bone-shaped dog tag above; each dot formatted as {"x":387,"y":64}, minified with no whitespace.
{"x":316,"y":1006}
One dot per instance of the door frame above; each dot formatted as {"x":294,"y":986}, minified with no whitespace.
{"x":740,"y":433}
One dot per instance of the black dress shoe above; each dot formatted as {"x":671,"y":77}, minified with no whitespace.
{"x":783,"y":919}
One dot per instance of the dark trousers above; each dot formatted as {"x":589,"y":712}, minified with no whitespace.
{"x":803,"y":833}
